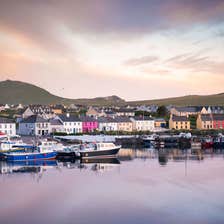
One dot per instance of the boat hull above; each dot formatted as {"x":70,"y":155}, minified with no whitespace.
{"x":30,"y":156}
{"x":62,"y":154}
{"x":99,"y":153}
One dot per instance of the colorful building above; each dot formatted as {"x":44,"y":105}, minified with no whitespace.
{"x":204,"y":121}
{"x":124,"y":124}
{"x":142,"y":123}
{"x":210,"y":121}
{"x":179,"y":122}
{"x":89,"y":124}
{"x":218,"y":121}
{"x":160,"y":123}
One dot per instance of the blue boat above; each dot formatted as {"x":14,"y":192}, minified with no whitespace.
{"x":22,"y":156}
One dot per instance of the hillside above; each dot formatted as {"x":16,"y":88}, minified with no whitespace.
{"x":15,"y":92}
{"x":191,"y":100}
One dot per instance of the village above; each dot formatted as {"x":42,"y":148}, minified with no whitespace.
{"x":43,"y":120}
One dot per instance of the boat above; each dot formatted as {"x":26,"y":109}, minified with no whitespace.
{"x":68,"y":152}
{"x":98,"y":150}
{"x":207,"y":142}
{"x":43,"y":151}
{"x":13,"y":143}
{"x":149,"y":140}
{"x":219,"y":142}
{"x":46,"y":144}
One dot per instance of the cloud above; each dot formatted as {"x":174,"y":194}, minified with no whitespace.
{"x":196,"y":63}
{"x":45,"y":21}
{"x":141,"y":60}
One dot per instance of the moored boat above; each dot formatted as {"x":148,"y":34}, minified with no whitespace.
{"x":43,"y":151}
{"x":98,"y":150}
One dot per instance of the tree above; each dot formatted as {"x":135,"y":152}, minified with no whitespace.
{"x":162,"y":111}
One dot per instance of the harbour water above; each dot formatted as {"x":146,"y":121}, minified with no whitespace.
{"x":141,"y":186}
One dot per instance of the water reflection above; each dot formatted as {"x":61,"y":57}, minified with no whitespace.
{"x":139,"y":186}
{"x":163,"y":156}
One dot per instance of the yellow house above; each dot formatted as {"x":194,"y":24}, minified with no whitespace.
{"x":124,"y":124}
{"x":204,"y":121}
{"x":160,"y":123}
{"x":179,"y":122}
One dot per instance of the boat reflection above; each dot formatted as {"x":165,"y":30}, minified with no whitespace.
{"x":94,"y":164}
{"x":163,"y":156}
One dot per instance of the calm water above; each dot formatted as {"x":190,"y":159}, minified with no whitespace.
{"x":143,"y":186}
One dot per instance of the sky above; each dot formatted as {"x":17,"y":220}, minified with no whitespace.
{"x":136,"y":49}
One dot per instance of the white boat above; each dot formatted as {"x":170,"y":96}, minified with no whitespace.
{"x":98,"y":150}
{"x":49,"y":145}
{"x":13,"y":143}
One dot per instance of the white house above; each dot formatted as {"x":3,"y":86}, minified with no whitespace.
{"x":34,"y":125}
{"x":107,"y":124}
{"x":7,"y":107}
{"x":56,"y":125}
{"x":143,"y":123}
{"x":7,"y":126}
{"x":71,"y":124}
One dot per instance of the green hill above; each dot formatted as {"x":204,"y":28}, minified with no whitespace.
{"x":15,"y":92}
{"x":191,"y":100}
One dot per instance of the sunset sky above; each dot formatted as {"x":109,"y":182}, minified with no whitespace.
{"x":136,"y":49}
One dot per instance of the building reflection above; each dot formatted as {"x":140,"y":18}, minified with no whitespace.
{"x":37,"y":168}
{"x":166,"y":155}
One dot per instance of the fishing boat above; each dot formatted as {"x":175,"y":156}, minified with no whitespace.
{"x":68,"y":152}
{"x":98,"y":150}
{"x":43,"y":151}
{"x":46,"y":144}
{"x":13,"y":143}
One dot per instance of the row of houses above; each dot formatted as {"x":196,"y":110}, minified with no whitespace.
{"x":203,"y":122}
{"x":37,"y":125}
{"x":195,"y":110}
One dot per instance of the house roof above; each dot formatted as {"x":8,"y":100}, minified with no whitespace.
{"x":125,"y":110}
{"x":34,"y":119}
{"x":142,"y":118}
{"x":87,"y":119}
{"x":160,"y":119}
{"x":4,"y":120}
{"x":106,"y":120}
{"x":179,"y":118}
{"x":218,"y":117}
{"x":206,"y":117}
{"x":55,"y":122}
{"x":70,"y":118}
{"x":122,"y":119}
{"x":188,"y":109}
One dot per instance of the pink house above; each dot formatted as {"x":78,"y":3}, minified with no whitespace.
{"x":89,"y":124}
